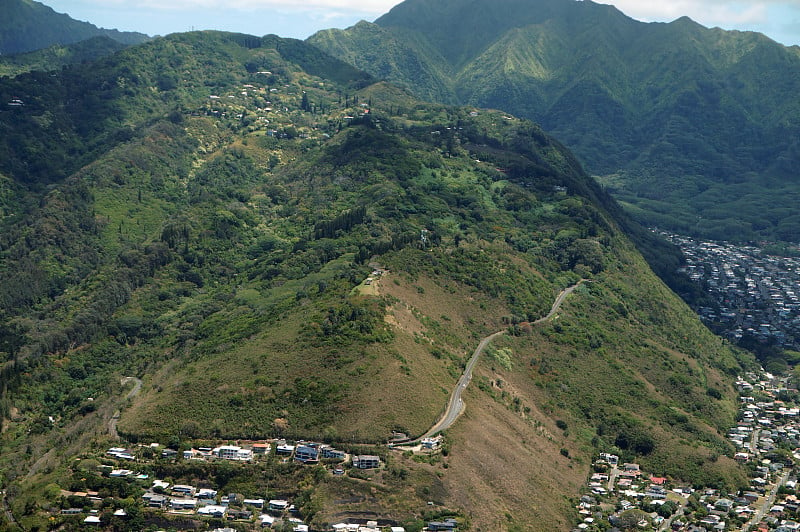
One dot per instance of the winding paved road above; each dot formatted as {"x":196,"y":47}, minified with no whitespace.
{"x":455,"y":406}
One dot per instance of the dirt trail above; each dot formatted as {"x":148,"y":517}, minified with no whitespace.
{"x":137,"y":387}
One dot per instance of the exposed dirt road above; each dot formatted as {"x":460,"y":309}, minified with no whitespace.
{"x":137,"y":387}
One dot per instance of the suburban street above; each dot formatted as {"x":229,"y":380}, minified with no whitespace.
{"x":762,"y":511}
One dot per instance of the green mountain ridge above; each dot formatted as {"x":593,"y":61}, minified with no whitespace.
{"x":212,"y":235}
{"x":59,"y":55}
{"x":680,"y":121}
{"x":28,"y":25}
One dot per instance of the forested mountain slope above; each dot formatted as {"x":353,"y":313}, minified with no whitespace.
{"x":695,"y":128}
{"x":58,"y":55}
{"x":28,"y":25}
{"x":204,"y":212}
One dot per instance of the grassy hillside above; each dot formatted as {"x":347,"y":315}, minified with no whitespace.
{"x":221,"y":252}
{"x":692,"y":127}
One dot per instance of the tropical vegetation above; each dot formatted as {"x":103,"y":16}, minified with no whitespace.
{"x":691,"y":128}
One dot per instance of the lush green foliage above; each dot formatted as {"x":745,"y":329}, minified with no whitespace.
{"x":28,"y":25}
{"x":215,"y":235}
{"x":692,"y":127}
{"x":59,"y":55}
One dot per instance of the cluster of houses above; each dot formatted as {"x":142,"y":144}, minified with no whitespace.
{"x":770,"y":503}
{"x":766,"y":423}
{"x":756,"y":294}
{"x":204,"y":501}
{"x":303,"y":452}
{"x":121,"y":453}
{"x":269,"y":108}
{"x":187,"y":499}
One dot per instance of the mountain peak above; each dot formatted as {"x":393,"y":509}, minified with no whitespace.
{"x":463,"y":28}
{"x":649,"y":101}
{"x":28,"y":25}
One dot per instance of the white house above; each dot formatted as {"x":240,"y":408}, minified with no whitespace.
{"x":183,"y":504}
{"x":278,"y":505}
{"x":233,"y":452}
{"x":213,"y":510}
{"x":255,"y":503}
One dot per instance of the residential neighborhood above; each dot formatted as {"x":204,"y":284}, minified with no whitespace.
{"x":202,"y":500}
{"x":622,"y":496}
{"x":755,"y":294}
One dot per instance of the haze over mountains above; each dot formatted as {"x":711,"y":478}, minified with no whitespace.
{"x":696,"y":128}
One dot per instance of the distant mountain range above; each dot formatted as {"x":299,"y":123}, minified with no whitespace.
{"x":695,"y":129}
{"x":27,"y":25}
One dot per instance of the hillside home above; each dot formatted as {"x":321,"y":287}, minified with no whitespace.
{"x":233,"y":452}
{"x":611,"y":459}
{"x":278,"y":505}
{"x":261,"y":448}
{"x":183,"y":489}
{"x":255,"y":503}
{"x":307,"y":454}
{"x":183,"y":504}
{"x":244,"y":515}
{"x":447,"y":525}
{"x":213,"y":510}
{"x":329,"y":453}
{"x":430,"y":443}
{"x":284,"y":449}
{"x":366,"y":461}
{"x":120,"y":453}
{"x":724,"y":505}
{"x":154,"y":501}
{"x":206,"y":493}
